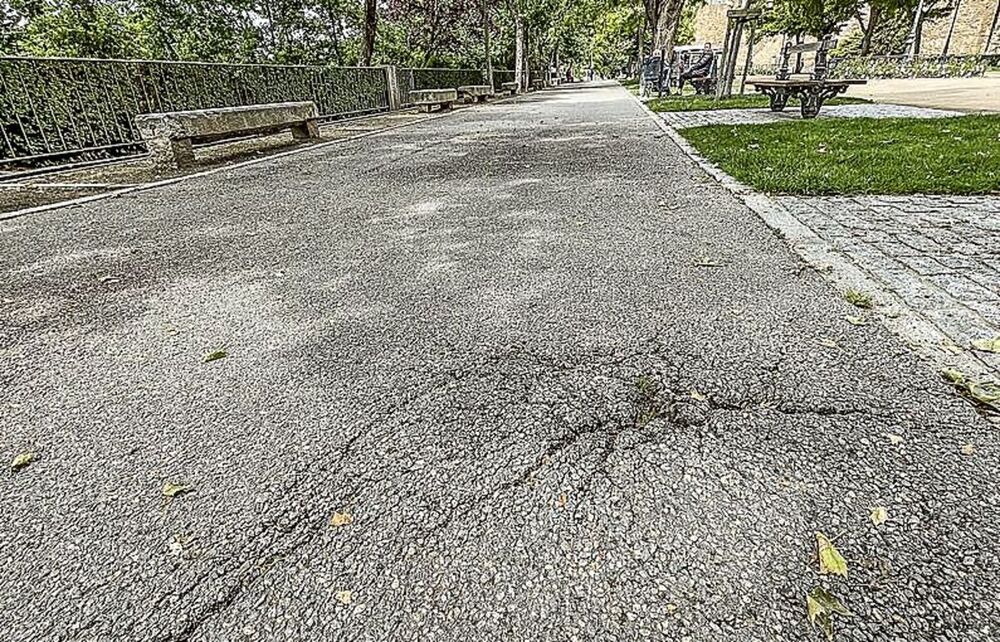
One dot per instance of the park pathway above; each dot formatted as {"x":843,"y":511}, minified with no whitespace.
{"x":547,"y":379}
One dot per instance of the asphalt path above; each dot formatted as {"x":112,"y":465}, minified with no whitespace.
{"x":550,"y":381}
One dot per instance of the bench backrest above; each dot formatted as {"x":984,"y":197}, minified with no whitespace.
{"x":821,"y":66}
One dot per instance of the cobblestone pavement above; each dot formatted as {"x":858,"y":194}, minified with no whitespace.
{"x":684,"y":119}
{"x":939,"y":254}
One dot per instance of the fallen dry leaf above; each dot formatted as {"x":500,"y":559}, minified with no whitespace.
{"x":984,"y":392}
{"x":215,"y":355}
{"x":341,"y":519}
{"x":828,"y":343}
{"x":822,"y":606}
{"x":987,"y":345}
{"x":859,"y":320}
{"x":178,"y":543}
{"x":879,"y":515}
{"x":344,"y":597}
{"x":697,"y":396}
{"x":895,"y":440}
{"x":830,"y":559}
{"x":859,"y":299}
{"x":968,"y":449}
{"x":22,"y":459}
{"x":173,"y":490}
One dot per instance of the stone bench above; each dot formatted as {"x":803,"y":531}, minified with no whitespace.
{"x":475,"y":93}
{"x":170,"y":136}
{"x":427,"y":99}
{"x":509,"y":88}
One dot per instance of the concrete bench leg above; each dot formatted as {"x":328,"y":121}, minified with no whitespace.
{"x":308,"y":129}
{"x":445,"y":106}
{"x":171,"y":153}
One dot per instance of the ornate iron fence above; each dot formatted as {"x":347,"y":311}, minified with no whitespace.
{"x":500,"y":76}
{"x":55,"y":107}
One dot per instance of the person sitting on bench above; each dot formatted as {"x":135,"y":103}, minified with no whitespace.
{"x":700,"y":69}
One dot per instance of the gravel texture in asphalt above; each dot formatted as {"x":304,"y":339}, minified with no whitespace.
{"x":520,"y":373}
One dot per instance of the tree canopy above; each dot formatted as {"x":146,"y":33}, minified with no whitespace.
{"x":445,"y":33}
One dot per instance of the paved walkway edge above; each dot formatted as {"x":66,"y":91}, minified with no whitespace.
{"x":914,"y":329}
{"x":6,"y":216}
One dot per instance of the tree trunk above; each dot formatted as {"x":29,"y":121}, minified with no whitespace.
{"x":371,"y":28}
{"x":951,"y":27}
{"x":487,"y":44}
{"x":988,"y":48}
{"x":519,"y":62}
{"x":866,"y":41}
{"x":639,"y":31}
{"x":666,"y":29}
{"x":913,"y":44}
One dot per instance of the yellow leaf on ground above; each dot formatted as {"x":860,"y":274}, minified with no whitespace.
{"x":879,"y":515}
{"x":987,"y":345}
{"x":22,"y":459}
{"x":178,"y":544}
{"x":173,"y":490}
{"x":853,"y":320}
{"x":828,"y":343}
{"x":968,"y":449}
{"x":341,"y":519}
{"x":344,"y":597}
{"x":895,"y":440}
{"x":697,"y":396}
{"x":215,"y":355}
{"x":830,"y":559}
{"x":821,"y":606}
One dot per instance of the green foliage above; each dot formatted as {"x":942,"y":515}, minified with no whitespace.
{"x":859,"y":155}
{"x":888,"y":37}
{"x":685,"y":30}
{"x":446,"y":33}
{"x":100,"y":30}
{"x":815,"y":18}
{"x":906,"y":67}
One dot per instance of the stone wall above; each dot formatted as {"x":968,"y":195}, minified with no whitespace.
{"x":972,"y":27}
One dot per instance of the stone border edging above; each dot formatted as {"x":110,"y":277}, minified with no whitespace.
{"x":916,"y":331}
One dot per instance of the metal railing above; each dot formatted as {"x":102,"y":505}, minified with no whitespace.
{"x":500,"y":76}
{"x":52,"y":108}
{"x":412,"y":79}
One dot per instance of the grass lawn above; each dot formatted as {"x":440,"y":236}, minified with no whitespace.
{"x":631,"y":84}
{"x":859,"y":155}
{"x":694,"y":102}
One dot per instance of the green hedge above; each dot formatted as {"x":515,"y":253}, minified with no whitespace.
{"x":907,"y":67}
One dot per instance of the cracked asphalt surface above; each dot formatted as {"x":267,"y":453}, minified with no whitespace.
{"x":479,"y":337}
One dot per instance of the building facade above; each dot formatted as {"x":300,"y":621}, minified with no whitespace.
{"x":970,"y":28}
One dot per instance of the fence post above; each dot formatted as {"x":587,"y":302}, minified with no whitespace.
{"x":393,"y":88}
